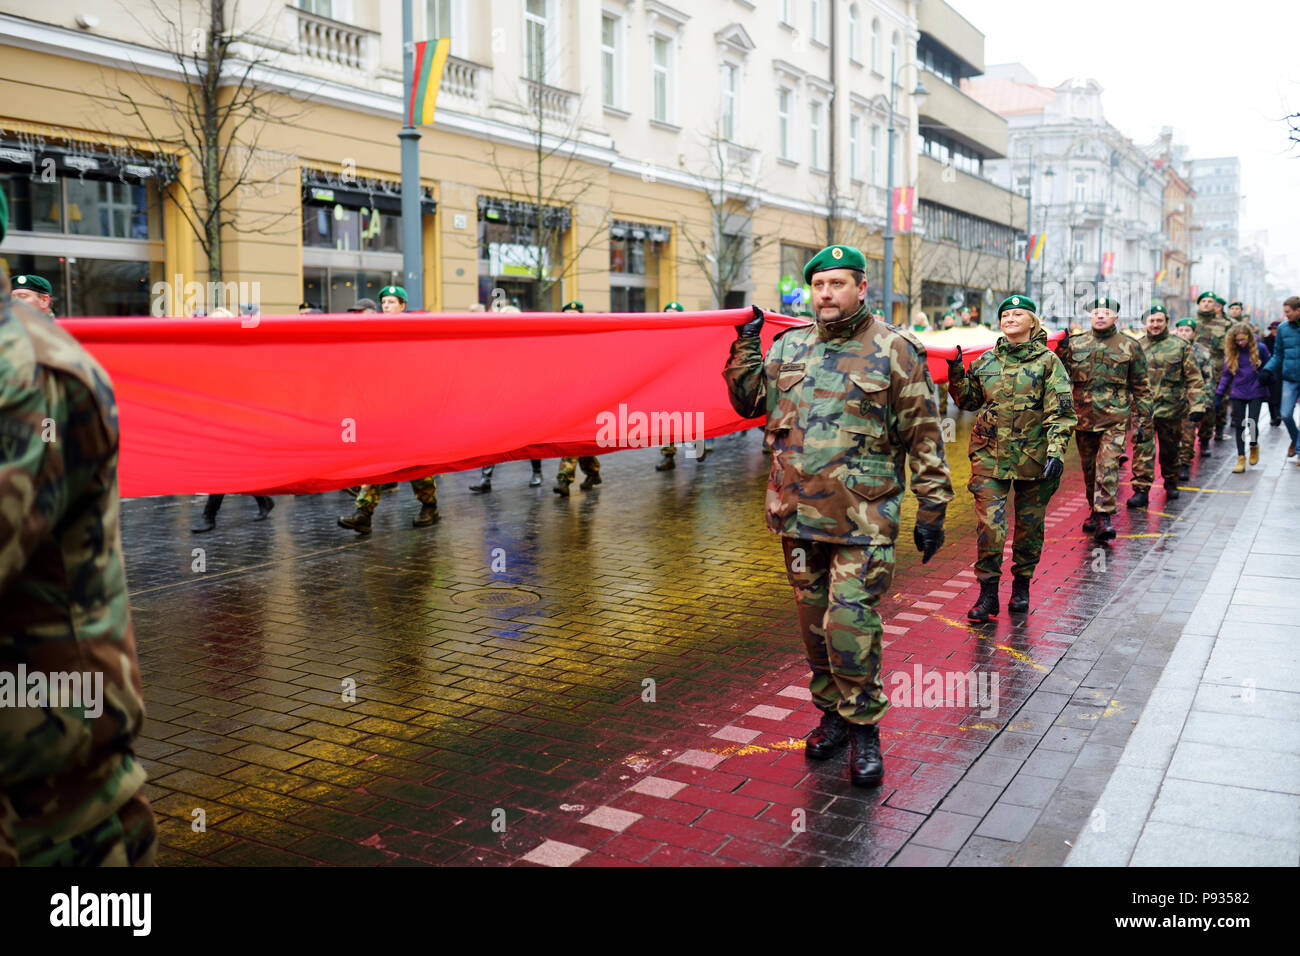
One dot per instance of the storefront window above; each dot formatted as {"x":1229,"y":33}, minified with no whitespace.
{"x":92,"y":287}
{"x":346,"y":229}
{"x":635,"y":253}
{"x":519,"y":263}
{"x":84,"y":207}
{"x":337,"y":290}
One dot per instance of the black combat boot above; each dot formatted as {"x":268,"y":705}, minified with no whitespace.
{"x":1172,"y":493}
{"x":827,"y":737}
{"x":1091,"y":524}
{"x":1139,"y":499}
{"x":562,"y":487}
{"x":1185,"y":473}
{"x":1019,"y":602}
{"x":264,"y":506}
{"x":205,"y":523}
{"x":359,"y":521}
{"x":484,"y":483}
{"x":668,"y":464}
{"x":427,"y":516}
{"x":866,"y":768}
{"x":986,"y":608}
{"x":589,"y":482}
{"x":1104,"y":531}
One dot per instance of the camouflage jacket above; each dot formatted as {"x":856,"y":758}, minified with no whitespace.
{"x":1026,"y":414}
{"x":63,"y":599}
{"x":1205,"y":365}
{"x":1109,"y":373}
{"x":1177,"y":386}
{"x":843,"y":416}
{"x":1212,"y":333}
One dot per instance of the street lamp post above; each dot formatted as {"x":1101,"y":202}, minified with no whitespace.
{"x":1029,"y":226}
{"x":1048,"y":175}
{"x":919,"y":95}
{"x":412,"y":235}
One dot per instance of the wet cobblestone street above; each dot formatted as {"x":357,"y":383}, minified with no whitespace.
{"x":501,"y":661}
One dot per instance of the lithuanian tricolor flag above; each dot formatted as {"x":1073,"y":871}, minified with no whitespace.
{"x":430,"y":58}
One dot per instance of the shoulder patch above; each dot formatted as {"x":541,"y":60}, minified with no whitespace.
{"x":907,"y":336}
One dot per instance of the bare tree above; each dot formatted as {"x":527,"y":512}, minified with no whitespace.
{"x":914,"y":259}
{"x":217,"y":121}
{"x":724,"y":248}
{"x":549,"y":187}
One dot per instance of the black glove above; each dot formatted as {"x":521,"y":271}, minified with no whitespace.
{"x":1053,"y":469}
{"x":1195,"y":416}
{"x":753,"y":326}
{"x":956,"y":360}
{"x":928,"y":538}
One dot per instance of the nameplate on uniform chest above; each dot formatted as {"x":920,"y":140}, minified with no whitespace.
{"x":792,"y":367}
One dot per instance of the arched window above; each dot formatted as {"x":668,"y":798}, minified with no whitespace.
{"x":875,"y":45}
{"x":898,"y":50}
{"x":855,"y":34}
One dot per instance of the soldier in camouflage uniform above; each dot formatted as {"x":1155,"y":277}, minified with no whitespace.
{"x":1109,"y":374}
{"x":848,"y":401}
{"x":70,"y":783}
{"x":426,"y":492}
{"x":1211,"y":331}
{"x":1026,"y":416}
{"x":1185,"y":329}
{"x":1177,"y":395}
{"x":392,"y":299}
{"x":569,"y":466}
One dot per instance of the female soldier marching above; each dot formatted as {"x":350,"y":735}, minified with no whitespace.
{"x":1026,"y":416}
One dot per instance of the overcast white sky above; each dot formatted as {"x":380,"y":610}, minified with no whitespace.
{"x":1223,"y":75}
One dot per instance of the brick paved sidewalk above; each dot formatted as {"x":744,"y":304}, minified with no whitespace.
{"x":471,"y":720}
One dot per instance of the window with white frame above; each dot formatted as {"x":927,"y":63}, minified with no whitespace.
{"x":787,"y":11}
{"x":815,"y":19}
{"x":1078,"y":250}
{"x":875,"y":45}
{"x":536,"y":28}
{"x":662,"y":78}
{"x":855,"y":34}
{"x":1080,"y":187}
{"x":855,"y":147}
{"x":783,"y":100}
{"x":898,"y":52}
{"x":440,"y":16}
{"x":611,"y":61}
{"x":730,"y":85}
{"x":815,"y":125}
{"x":875,"y":155}
{"x":322,"y":8}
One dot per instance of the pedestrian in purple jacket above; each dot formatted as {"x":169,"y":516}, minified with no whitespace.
{"x":1246,"y":383}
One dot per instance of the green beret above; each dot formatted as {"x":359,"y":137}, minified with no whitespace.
{"x":1104,"y":304}
{"x":35,"y":283}
{"x":835,"y":257}
{"x":1205,"y":295}
{"x":4,"y":215}
{"x":1231,"y":304}
{"x":574,"y":306}
{"x":674,"y":307}
{"x":1018,"y":302}
{"x":1154,"y":309}
{"x":1219,"y":299}
{"x":1187,"y":321}
{"x":393,"y":290}
{"x":878,"y":311}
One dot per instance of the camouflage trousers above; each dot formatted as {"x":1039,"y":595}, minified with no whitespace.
{"x":129,"y":837}
{"x":426,"y":489}
{"x":1187,"y":449}
{"x":1213,"y":420}
{"x":569,"y":468}
{"x":1100,"y":453}
{"x":1030,"y":508}
{"x":1169,"y":432}
{"x":836,"y":590}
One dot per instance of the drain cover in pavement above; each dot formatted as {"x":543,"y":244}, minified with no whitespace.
{"x":496,"y":597}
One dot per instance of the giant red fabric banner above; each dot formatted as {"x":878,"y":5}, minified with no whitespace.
{"x":278,"y":404}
